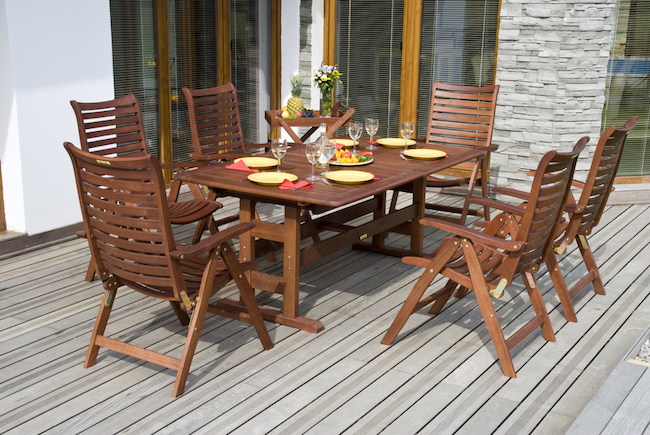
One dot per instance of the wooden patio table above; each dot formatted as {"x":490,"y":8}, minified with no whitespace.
{"x":337,"y":205}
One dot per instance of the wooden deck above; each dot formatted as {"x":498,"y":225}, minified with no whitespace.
{"x":440,"y":376}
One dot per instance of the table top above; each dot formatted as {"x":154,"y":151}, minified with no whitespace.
{"x":387,"y":165}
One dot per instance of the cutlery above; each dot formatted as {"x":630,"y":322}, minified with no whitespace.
{"x":411,"y":160}
{"x":337,"y":184}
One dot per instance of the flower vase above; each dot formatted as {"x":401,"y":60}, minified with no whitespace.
{"x":326,"y":103}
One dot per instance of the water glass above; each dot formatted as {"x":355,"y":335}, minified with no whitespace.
{"x":406,"y":129}
{"x":354,"y":130}
{"x":279,"y":149}
{"x":313,"y":151}
{"x":372,"y":125}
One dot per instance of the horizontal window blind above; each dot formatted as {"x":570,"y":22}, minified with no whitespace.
{"x":193,"y":62}
{"x":457,"y":46}
{"x":369,"y":56}
{"x":135,"y":61}
{"x":250,"y":63}
{"x":628,"y":84}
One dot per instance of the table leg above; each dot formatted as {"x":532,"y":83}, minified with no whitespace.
{"x":417,"y":231}
{"x":246,"y":240}
{"x":378,"y":240}
{"x":291,"y":295}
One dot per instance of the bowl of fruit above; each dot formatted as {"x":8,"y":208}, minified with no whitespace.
{"x":348,"y":158}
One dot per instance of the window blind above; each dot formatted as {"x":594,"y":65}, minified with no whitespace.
{"x":193,"y":62}
{"x":369,"y":56}
{"x":135,"y":60}
{"x":250,"y":38}
{"x":628,"y":87}
{"x":457,"y":46}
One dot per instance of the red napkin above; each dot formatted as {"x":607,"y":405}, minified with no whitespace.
{"x":338,"y":145}
{"x":241,"y":166}
{"x":288,"y":185}
{"x":377,"y":179}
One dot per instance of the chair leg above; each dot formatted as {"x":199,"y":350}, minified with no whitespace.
{"x":560,"y":286}
{"x":487,"y":310}
{"x":440,"y":302}
{"x":485,"y":179}
{"x":539,"y":306}
{"x":100,"y":326}
{"x":194,"y":331}
{"x":590,"y":263}
{"x":469,"y":193}
{"x":182,"y":315}
{"x":411,"y":304}
{"x":90,"y":272}
{"x":246,"y":294}
{"x":393,"y":201}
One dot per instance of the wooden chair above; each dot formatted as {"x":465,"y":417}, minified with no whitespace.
{"x":584,"y":215}
{"x":127,"y":220}
{"x":114,"y":128}
{"x":217,"y":134}
{"x":514,"y":242}
{"x":464,"y":116}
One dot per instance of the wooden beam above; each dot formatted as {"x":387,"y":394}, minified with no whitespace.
{"x":223,"y":42}
{"x":164,"y":86}
{"x":329,"y":33}
{"x":408,"y":104}
{"x":276,"y":59}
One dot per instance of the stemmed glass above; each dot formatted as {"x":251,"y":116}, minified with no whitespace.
{"x":372,"y":125}
{"x":328,"y":149}
{"x":279,"y":149}
{"x":354,"y":130}
{"x":406,"y":129}
{"x":312,"y":150}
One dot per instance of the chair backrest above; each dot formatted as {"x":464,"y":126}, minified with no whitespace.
{"x":543,"y":213}
{"x":462,"y":115}
{"x":601,"y":177}
{"x":126,"y":218}
{"x":214,"y":121}
{"x":111,"y":127}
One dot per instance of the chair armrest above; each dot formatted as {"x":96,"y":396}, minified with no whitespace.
{"x":215,"y":157}
{"x":511,"y":192}
{"x":211,"y":242}
{"x":499,"y":205}
{"x":182,"y":165}
{"x":474,"y":235}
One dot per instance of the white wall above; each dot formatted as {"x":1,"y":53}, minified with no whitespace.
{"x":290,"y":42}
{"x":52,"y":52}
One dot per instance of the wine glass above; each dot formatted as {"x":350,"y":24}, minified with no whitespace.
{"x":312,"y":150}
{"x":406,"y":129}
{"x":279,"y":149}
{"x":328,"y":149}
{"x":372,"y":125}
{"x":354,"y":130}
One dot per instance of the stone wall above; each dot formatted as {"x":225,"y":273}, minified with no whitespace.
{"x":552,"y":69}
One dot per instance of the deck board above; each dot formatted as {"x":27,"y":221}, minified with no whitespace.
{"x":439,"y":376}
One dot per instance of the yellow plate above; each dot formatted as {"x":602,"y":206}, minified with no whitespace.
{"x":349,"y":177}
{"x":335,"y":163}
{"x":345,"y":142}
{"x":424,"y":154}
{"x":258,"y":162}
{"x":394,"y":142}
{"x":271,"y":178}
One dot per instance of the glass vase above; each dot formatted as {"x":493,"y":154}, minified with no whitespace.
{"x":326,"y":103}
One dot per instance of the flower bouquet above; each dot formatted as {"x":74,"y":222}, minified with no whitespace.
{"x":325,"y":77}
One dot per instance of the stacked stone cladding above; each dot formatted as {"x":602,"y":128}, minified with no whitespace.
{"x":552,"y":70}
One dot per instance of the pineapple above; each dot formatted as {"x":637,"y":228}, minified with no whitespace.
{"x":295,"y":102}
